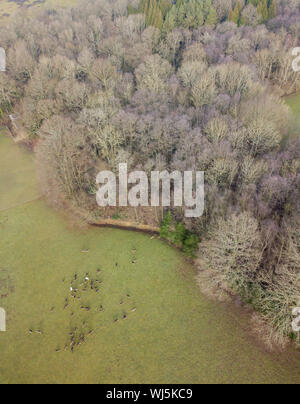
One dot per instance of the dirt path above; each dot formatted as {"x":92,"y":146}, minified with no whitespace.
{"x":119,"y":224}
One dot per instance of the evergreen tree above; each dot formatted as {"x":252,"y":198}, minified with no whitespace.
{"x":272,"y":9}
{"x":212,"y":18}
{"x":189,"y":14}
{"x":171,"y":20}
{"x":149,"y":12}
{"x":165,"y":6}
{"x":235,"y":15}
{"x":242,"y":20}
{"x":190,"y":245}
{"x":181,"y":14}
{"x":263,"y":10}
{"x":239,"y":6}
{"x":193,"y":15}
{"x":165,"y":227}
{"x":179,"y":235}
{"x":158,"y":17}
{"x":153,"y":13}
{"x":143,"y":8}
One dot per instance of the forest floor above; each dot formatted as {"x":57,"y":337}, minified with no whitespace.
{"x":97,"y":305}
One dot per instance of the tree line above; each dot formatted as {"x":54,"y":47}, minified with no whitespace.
{"x":168,"y":14}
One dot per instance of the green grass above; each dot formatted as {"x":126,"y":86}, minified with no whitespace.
{"x":175,"y":335}
{"x":293,"y":102}
{"x":17,"y":176}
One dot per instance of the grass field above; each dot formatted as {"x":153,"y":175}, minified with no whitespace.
{"x":16,"y":164}
{"x":148,"y":321}
{"x":8,"y":7}
{"x":293,"y":102}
